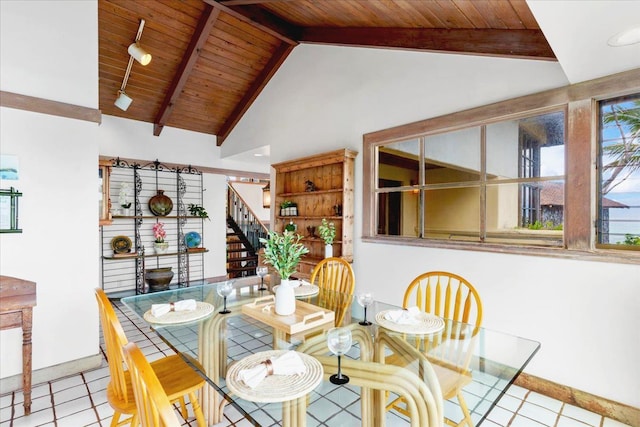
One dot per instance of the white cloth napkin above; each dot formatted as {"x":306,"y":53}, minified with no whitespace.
{"x":410,"y":316}
{"x":161,"y":309}
{"x":288,"y":363}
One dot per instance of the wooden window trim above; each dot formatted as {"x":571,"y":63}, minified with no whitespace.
{"x":579,"y":100}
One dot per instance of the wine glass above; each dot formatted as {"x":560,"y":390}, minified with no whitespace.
{"x":365,"y":299}
{"x":261,"y":272}
{"x":339,"y":342}
{"x":224,"y":290}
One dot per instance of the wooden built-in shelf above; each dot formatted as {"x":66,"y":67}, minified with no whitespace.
{"x":332,"y":174}
{"x":311,"y":193}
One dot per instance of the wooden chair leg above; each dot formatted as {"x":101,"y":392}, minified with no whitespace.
{"x":197,"y":410}
{"x":183,"y":408}
{"x":465,"y":410}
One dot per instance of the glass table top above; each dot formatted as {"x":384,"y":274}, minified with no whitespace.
{"x":482,"y":362}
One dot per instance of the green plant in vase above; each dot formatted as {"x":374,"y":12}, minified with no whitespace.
{"x":327,"y":232}
{"x":283,"y":252}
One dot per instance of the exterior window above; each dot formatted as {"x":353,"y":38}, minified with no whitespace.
{"x":618,"y":213}
{"x":496,"y":183}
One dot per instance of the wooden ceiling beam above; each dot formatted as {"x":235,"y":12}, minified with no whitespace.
{"x":262,"y":19}
{"x":529,"y":44}
{"x":254,"y":90}
{"x":205,"y":24}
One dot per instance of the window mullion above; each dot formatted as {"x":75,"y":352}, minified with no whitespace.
{"x":483,"y":183}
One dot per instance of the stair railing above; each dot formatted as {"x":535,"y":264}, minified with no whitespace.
{"x":246,"y":219}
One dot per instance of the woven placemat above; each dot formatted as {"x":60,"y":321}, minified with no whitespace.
{"x":203,"y":309}
{"x":275,"y":388}
{"x":427,"y":323}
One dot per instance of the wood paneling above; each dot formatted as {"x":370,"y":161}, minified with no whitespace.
{"x":206,"y":72}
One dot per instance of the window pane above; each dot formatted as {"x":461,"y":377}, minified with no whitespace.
{"x":452,"y":213}
{"x":525,"y":213}
{"x":618,"y":220}
{"x":398,"y":163}
{"x":531,"y":147}
{"x":453,"y":157}
{"x":398,"y":213}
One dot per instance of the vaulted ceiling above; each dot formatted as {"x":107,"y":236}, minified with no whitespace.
{"x":211,"y":59}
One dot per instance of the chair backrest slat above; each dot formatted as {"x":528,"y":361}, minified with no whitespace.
{"x":446,"y":295}
{"x":114,"y":339}
{"x":336,"y":276}
{"x":154,"y":407}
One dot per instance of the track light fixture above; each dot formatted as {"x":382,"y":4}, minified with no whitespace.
{"x":123,"y":101}
{"x":140,"y":55}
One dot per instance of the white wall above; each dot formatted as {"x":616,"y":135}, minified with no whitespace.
{"x":585,"y":314}
{"x":252,"y":195}
{"x":57,"y":175}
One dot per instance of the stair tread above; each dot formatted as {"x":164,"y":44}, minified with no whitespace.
{"x":243,"y":258}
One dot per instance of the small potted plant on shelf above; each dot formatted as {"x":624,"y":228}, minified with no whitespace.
{"x":123,"y":197}
{"x":283,"y":252}
{"x":288,"y":208}
{"x":327,"y":232}
{"x":199,"y":211}
{"x":159,"y":233}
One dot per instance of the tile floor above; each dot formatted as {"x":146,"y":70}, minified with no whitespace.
{"x":80,"y":400}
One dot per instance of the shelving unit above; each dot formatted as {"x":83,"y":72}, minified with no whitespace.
{"x":183,"y":185}
{"x":332,"y":175}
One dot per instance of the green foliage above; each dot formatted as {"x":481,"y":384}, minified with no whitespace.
{"x":327,"y":231}
{"x":535,"y":226}
{"x":546,"y":226}
{"x":630,"y":239}
{"x":200,"y":211}
{"x":283,"y":252}
{"x":287,"y":204}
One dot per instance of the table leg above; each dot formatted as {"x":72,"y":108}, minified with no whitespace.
{"x":27,"y":323}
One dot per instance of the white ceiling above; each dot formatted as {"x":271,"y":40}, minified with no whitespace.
{"x":578,"y":32}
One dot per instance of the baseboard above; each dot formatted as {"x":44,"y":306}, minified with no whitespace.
{"x":51,"y":373}
{"x":608,"y":408}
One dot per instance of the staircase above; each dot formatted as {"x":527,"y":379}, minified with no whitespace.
{"x":243,"y":233}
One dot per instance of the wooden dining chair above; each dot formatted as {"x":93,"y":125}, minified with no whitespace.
{"x":446,"y":295}
{"x":152,"y":403}
{"x":178,"y":379}
{"x":334,"y":276}
{"x":449,"y":296}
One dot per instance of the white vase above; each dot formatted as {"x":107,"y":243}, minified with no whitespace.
{"x":328,"y":251}
{"x":161,"y":248}
{"x":285,"y":298}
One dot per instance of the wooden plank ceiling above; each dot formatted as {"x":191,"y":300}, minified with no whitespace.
{"x":211,"y":59}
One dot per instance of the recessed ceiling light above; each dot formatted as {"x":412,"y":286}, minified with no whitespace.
{"x":257,"y":154}
{"x":625,"y":38}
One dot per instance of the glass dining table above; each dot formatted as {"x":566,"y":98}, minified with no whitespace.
{"x":460,"y":369}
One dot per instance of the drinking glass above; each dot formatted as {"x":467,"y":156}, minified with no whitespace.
{"x":261,"y":272}
{"x":224,"y":290}
{"x":365,"y":299}
{"x":339,"y":342}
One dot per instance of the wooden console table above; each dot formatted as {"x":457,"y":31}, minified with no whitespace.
{"x":17,"y":299}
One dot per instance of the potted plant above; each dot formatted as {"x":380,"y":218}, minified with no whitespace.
{"x":199,"y":211}
{"x":283,"y":252}
{"x":327,"y":232}
{"x":159,"y":233}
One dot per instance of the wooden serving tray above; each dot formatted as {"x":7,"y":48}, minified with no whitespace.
{"x":307,"y":316}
